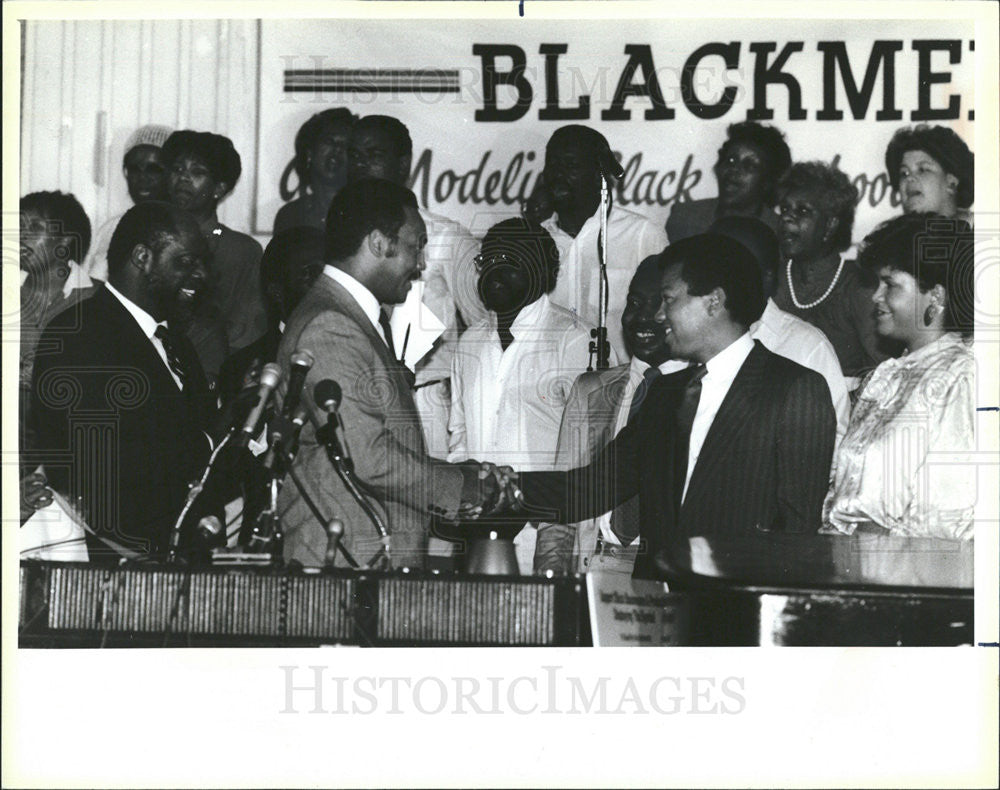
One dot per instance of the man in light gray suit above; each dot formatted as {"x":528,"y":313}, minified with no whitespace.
{"x":374,"y":252}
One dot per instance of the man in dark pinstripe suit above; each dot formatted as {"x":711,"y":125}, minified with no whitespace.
{"x":739,"y":443}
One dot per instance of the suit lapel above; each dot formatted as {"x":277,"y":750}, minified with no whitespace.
{"x":128,"y":333}
{"x":734,"y":416}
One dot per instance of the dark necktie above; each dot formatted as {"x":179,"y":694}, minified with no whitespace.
{"x":383,"y":321}
{"x":684,"y":420}
{"x":648,"y":377}
{"x":170,"y":345}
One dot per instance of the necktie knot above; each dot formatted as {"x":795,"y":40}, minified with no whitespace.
{"x":648,"y":377}
{"x":383,"y":321}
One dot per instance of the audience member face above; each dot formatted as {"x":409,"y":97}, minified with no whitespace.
{"x":372,"y":154}
{"x":645,"y":336}
{"x":924,"y":186}
{"x":805,"y":229}
{"x":328,"y":155}
{"x":178,"y":273}
{"x":146,"y":174}
{"x":900,"y":306}
{"x":403,"y":262}
{"x":742,"y":175}
{"x":506,"y":280}
{"x":45,"y":261}
{"x":295,"y":279}
{"x":572,"y":176}
{"x":684,"y":316}
{"x":193,"y":188}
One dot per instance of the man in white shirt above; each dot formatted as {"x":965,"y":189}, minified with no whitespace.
{"x":598,"y":408}
{"x":572,"y":177}
{"x":512,"y":372}
{"x":780,"y":331}
{"x":380,"y":147}
{"x":737,"y":444}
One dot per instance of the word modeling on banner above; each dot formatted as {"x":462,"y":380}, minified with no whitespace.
{"x":771,"y":68}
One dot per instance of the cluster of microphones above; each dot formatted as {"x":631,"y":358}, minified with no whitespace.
{"x":281,"y":430}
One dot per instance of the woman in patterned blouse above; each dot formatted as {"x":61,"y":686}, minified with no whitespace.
{"x":903,"y":466}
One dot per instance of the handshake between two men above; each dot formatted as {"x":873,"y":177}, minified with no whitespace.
{"x":489,"y":491}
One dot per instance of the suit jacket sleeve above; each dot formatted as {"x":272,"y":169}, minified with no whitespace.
{"x":373,"y":411}
{"x":587,"y":491}
{"x":806,"y":436}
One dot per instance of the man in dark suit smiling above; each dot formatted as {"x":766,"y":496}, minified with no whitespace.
{"x":738,"y":443}
{"x":121,"y":401}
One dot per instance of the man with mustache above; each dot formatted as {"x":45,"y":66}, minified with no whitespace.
{"x":737,"y":444}
{"x":599,"y":406}
{"x":374,"y":252}
{"x":121,"y":408}
{"x":572,"y":178}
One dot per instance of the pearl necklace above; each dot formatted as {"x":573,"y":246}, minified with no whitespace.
{"x":826,"y":293}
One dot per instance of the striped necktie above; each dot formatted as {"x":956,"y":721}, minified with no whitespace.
{"x":170,"y":345}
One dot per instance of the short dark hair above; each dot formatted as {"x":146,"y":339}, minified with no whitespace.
{"x":394,"y":128}
{"x":709,"y":261}
{"x":770,"y":141}
{"x":577,"y":134}
{"x":525,"y":241}
{"x":215,"y":150}
{"x":934,"y":250}
{"x":359,"y":208}
{"x":310,"y":131}
{"x":291,"y":262}
{"x":63,"y":209}
{"x":941,"y":144}
{"x":151,"y":224}
{"x":834,"y":192}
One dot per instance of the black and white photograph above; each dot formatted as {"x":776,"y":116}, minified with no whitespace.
{"x":443,"y":328}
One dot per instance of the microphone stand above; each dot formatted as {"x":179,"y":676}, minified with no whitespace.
{"x":194,"y":491}
{"x":600,"y":346}
{"x":345,"y":471}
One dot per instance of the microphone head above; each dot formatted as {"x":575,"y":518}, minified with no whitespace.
{"x":270,"y":375}
{"x":303,"y":359}
{"x":335,"y":528}
{"x":210,"y":526}
{"x":610,"y":166}
{"x":327,"y":395}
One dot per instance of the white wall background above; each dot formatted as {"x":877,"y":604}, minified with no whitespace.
{"x":87,"y":85}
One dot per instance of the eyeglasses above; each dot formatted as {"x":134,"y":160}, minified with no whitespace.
{"x":495,"y":259}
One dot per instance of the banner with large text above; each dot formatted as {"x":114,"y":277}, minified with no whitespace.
{"x":481,"y":98}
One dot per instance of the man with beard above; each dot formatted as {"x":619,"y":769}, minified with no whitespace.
{"x":381,"y":147}
{"x":751,"y":161}
{"x":600,"y":404}
{"x":120,"y":408}
{"x":512,"y":372}
{"x":572,"y":177}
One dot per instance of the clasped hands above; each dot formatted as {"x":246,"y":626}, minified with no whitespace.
{"x":488,"y":490}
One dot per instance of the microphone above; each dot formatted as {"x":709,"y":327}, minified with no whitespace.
{"x":284,"y":437}
{"x":209,"y":527}
{"x":327,"y":395}
{"x":302,"y":362}
{"x":334,"y":532}
{"x":269,"y":378}
{"x":610,"y":167}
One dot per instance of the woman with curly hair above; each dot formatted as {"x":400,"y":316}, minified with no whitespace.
{"x":899,"y":469}
{"x":321,"y":165}
{"x":751,"y":161}
{"x":933,"y":171}
{"x":818,"y":284}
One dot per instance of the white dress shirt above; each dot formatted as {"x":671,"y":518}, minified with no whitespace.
{"x":507,"y":405}
{"x":366,"y":299}
{"x":720,"y":372}
{"x":636,"y":371}
{"x":789,"y":336}
{"x":148,"y":325}
{"x":631,"y":239}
